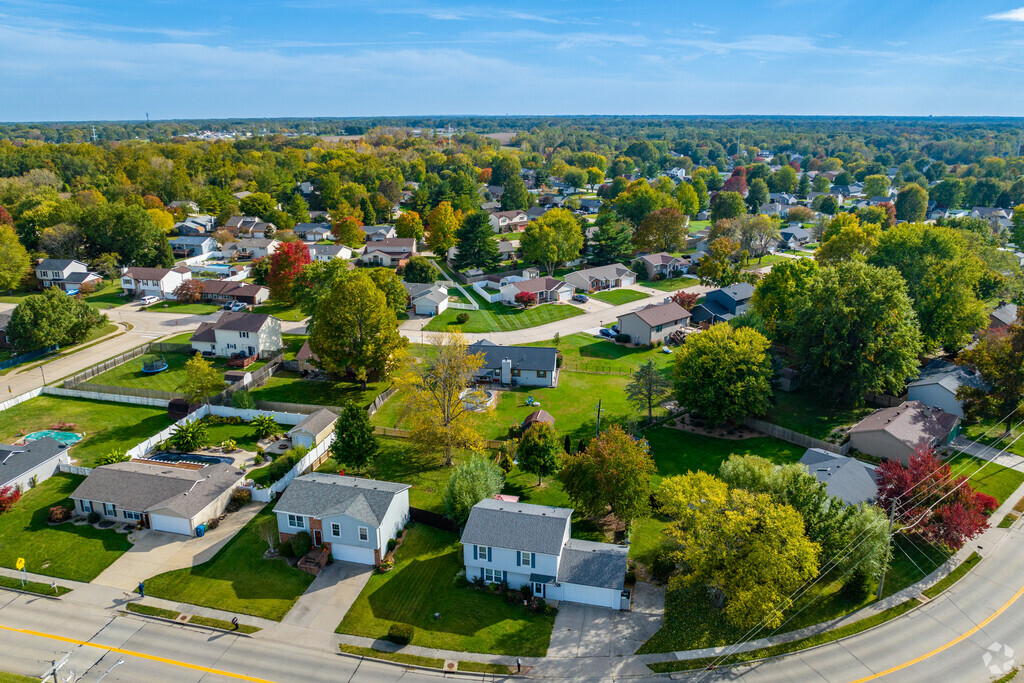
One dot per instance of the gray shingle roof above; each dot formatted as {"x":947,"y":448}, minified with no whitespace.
{"x":740,"y":291}
{"x":326,"y":495}
{"x":316,"y":422}
{"x":146,"y":486}
{"x":1006,"y":314}
{"x":17,"y":460}
{"x":949,"y":376}
{"x":517,"y":526}
{"x":522,"y":357}
{"x":845,"y":478}
{"x":586,"y":563}
{"x":56,"y":263}
{"x":912,"y":422}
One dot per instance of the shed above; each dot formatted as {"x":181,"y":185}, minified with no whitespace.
{"x":313,"y":429}
{"x":536,"y":417}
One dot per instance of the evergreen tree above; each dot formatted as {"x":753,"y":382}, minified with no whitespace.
{"x":477,"y":248}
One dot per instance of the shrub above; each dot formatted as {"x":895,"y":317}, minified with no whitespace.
{"x":301,"y":544}
{"x":239,"y":498}
{"x":386,"y":565}
{"x":243,"y":400}
{"x":190,"y":436}
{"x":213,"y":524}
{"x":264,"y":426}
{"x":229,"y":446}
{"x":59,"y":513}
{"x":8,"y":497}
{"x":462,"y":318}
{"x":622,"y":338}
{"x":93,"y":517}
{"x":258,"y":459}
{"x":113,"y":456}
{"x":400,"y":634}
{"x":286,"y":550}
{"x":662,"y":566}
{"x":392,"y":544}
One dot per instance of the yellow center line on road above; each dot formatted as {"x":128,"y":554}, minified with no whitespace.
{"x":133,"y":653}
{"x":948,"y":645}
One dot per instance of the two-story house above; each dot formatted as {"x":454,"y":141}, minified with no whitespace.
{"x":376,"y":233}
{"x":724,"y":304}
{"x":250,"y":248}
{"x":352,"y":518}
{"x":159,"y":282}
{"x":601,"y":277}
{"x":187,"y":246}
{"x":197,"y":225}
{"x":251,"y":334}
{"x":532,"y":545}
{"x":527,"y":366}
{"x":66,"y":274}
{"x":663,"y":265}
{"x":654,"y":323}
{"x":389,"y":253}
{"x":509,"y":221}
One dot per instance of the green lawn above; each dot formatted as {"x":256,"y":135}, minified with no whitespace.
{"x":241,"y":433}
{"x":617,"y":297}
{"x":281,"y":309}
{"x":499,"y":317}
{"x":107,"y":296}
{"x":290,"y":387}
{"x":292,"y":344}
{"x":804,"y":412}
{"x":182,"y":338}
{"x":995,"y":480}
{"x":423,"y":583}
{"x":767,"y":260}
{"x":198,"y":308}
{"x":130,"y":374}
{"x":107,"y":426}
{"x":588,"y":353}
{"x":991,"y":434}
{"x":237,"y":579}
{"x":66,"y":551}
{"x":16,"y":678}
{"x":673,"y":284}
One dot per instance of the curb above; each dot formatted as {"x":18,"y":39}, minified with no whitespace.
{"x":184,"y":623}
{"x":428,"y":669}
{"x":36,"y":595}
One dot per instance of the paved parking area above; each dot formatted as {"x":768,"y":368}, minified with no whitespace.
{"x":584,"y":631}
{"x":329,"y":597}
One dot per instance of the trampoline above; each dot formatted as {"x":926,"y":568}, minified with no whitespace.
{"x":154,"y":366}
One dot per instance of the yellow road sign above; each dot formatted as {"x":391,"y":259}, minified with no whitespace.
{"x":20,"y":564}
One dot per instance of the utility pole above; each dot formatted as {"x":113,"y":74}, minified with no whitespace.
{"x":94,"y":133}
{"x":597,"y":432}
{"x":57,"y":666}
{"x":881,"y":581}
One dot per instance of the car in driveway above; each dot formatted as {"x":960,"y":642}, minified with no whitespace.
{"x":581,"y":298}
{"x":239,"y":306}
{"x":605,"y":332}
{"x":149,"y":299}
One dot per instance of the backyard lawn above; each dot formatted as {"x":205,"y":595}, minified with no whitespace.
{"x":281,"y":309}
{"x":767,"y":260}
{"x":130,"y":374}
{"x":290,"y":387}
{"x":107,"y":426}
{"x":66,"y":551}
{"x":423,"y":583}
{"x":292,"y":344}
{"x":804,"y":412}
{"x":197,"y":308}
{"x":672,"y":284}
{"x":237,"y":579}
{"x":498,"y":317}
{"x":586,"y":352}
{"x":242,"y":434}
{"x":617,"y":297}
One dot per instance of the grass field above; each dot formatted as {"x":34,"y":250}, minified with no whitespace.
{"x":423,"y":583}
{"x":66,"y":551}
{"x":197,"y":308}
{"x":130,"y":374}
{"x":107,"y":426}
{"x":280,"y":309}
{"x":499,"y":317}
{"x":585,"y":352}
{"x":672,"y":285}
{"x":767,"y":260}
{"x":617,"y":297}
{"x":108,"y":296}
{"x":804,"y":412}
{"x":237,"y":579}
{"x":290,"y":387}
{"x":991,"y":434}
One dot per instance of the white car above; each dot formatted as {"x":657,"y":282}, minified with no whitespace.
{"x":147,"y":300}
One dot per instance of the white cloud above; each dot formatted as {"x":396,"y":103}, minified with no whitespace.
{"x":1009,"y":15}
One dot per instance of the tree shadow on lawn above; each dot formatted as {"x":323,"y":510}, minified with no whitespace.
{"x":395,"y":461}
{"x":424,"y":587}
{"x":122,"y":437}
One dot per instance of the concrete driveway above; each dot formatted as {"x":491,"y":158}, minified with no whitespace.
{"x":156,"y":552}
{"x":585,"y":631}
{"x":329,"y":597}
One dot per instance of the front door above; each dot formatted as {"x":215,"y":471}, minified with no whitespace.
{"x":317,"y":538}
{"x":251,"y":350}
{"x":538,"y":589}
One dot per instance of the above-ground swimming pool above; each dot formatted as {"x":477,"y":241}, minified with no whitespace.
{"x":190,"y":457}
{"x":66,"y":438}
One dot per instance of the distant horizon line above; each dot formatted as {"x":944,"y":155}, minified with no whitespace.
{"x":952,"y":117}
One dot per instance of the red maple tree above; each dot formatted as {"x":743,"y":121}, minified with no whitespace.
{"x":8,"y":497}
{"x":685,"y":299}
{"x":736,"y":183}
{"x":931,"y":502}
{"x":525,"y":298}
{"x":285,"y":263}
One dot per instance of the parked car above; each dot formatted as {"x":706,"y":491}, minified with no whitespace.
{"x":150,"y":299}
{"x":582,"y":298}
{"x":228,"y":304}
{"x":605,"y":332}
{"x":239,"y":306}
{"x":615,"y":328}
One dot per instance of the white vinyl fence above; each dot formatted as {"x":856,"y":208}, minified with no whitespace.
{"x":20,"y":398}
{"x":491,"y":297}
{"x":310,"y":460}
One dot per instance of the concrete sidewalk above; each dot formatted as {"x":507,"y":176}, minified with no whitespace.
{"x":990,"y":453}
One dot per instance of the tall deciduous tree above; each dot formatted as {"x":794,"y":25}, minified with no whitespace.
{"x":53,"y":317}
{"x":773,"y":298}
{"x":354,"y":331}
{"x":539,"y":450}
{"x":701,"y":190}
{"x":285,"y":264}
{"x":757,"y":194}
{"x":441,"y":227}
{"x":202,"y":380}
{"x":391,"y":286}
{"x":409,"y":225}
{"x":727,"y":205}
{"x":724,"y":264}
{"x":552,"y":239}
{"x":354,"y":442}
{"x":911,"y":203}
{"x":847,"y":238}
{"x":751,"y":552}
{"x":613,"y":472}
{"x":257,"y":204}
{"x":855,"y":329}
{"x":347,"y":230}
{"x":876,"y":186}
{"x":14,"y":259}
{"x":433,"y":392}
{"x":638,"y":200}
{"x":647,"y":388}
{"x":470,"y":482}
{"x":724,"y":373}
{"x":689,"y":202}
{"x":419,"y":269}
{"x":999,"y":358}
{"x":477,"y":248}
{"x":661,"y":230}
{"x":128,"y":231}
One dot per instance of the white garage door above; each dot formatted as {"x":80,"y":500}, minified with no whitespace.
{"x":347,"y":553}
{"x":176,"y":525}
{"x":590,"y":595}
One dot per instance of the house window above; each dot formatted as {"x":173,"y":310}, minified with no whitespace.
{"x":541,"y":374}
{"x":87,"y":506}
{"x":231,"y":346}
{"x":109,"y":509}
{"x":516,"y":372}
{"x":364,"y":533}
{"x":492,"y":575}
{"x":243,"y":335}
{"x":336,"y":530}
{"x":128,"y":514}
{"x":296,"y":522}
{"x":526,"y":559}
{"x":481,"y":552}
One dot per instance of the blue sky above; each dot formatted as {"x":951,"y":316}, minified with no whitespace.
{"x":115,"y":59}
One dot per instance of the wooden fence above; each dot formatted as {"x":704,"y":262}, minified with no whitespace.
{"x":121,"y":359}
{"x":432,"y":519}
{"x":795,"y":437}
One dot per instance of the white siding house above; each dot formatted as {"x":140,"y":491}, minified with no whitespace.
{"x":32,"y":463}
{"x":251,"y":334}
{"x":158,"y":282}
